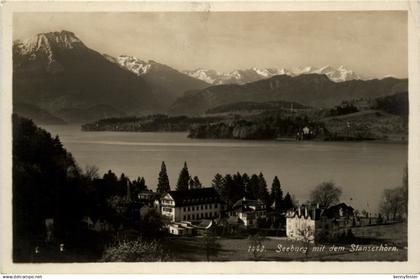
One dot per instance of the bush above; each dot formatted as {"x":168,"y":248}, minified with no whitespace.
{"x":136,"y":251}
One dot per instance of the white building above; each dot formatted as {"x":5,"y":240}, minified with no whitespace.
{"x":184,"y":228}
{"x":190,"y":205}
{"x":301,"y":223}
{"x":249,"y":211}
{"x":316,"y":224}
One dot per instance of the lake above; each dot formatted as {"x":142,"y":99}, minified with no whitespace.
{"x":362,"y":169}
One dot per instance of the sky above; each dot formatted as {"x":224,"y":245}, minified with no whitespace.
{"x":373,"y":44}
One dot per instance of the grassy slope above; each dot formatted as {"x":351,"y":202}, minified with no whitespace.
{"x":371,"y":124}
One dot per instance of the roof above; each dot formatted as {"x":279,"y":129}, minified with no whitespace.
{"x":205,"y":224}
{"x":312,"y":213}
{"x":195,"y":196}
{"x":334,"y":211}
{"x":148,"y":193}
{"x":316,"y":213}
{"x":245,"y":204}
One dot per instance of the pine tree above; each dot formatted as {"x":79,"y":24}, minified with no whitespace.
{"x":197,"y":183}
{"x":276,"y":196}
{"x":123,"y":182}
{"x":163,"y":180}
{"x":239,"y":187}
{"x":143,"y":185}
{"x":288,"y":202}
{"x":138,"y":185}
{"x":251,"y":189}
{"x":217,"y":182}
{"x":228,"y":194}
{"x":262,"y":190}
{"x":183,"y":179}
{"x":191,"y":183}
{"x":245,"y":181}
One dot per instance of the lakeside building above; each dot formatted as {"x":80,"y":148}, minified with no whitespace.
{"x":249,"y":211}
{"x":190,"y":205}
{"x":316,"y":224}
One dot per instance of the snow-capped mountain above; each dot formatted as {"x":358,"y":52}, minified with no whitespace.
{"x":133,"y":64}
{"x":159,"y":75}
{"x":236,"y":76}
{"x":44,"y":47}
{"x":47,"y":42}
{"x":249,"y":75}
{"x":338,"y":75}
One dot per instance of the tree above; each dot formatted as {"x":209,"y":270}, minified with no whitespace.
{"x":196,"y":183}
{"x":91,"y":172}
{"x":191,"y":183}
{"x":139,"y":185}
{"x":251,"y":189}
{"x":239,"y":187}
{"x":393,"y":205}
{"x":124,"y":183}
{"x":245,"y":181}
{"x":326,"y":194}
{"x":288,"y":202}
{"x":217,"y":182}
{"x":163,"y":180}
{"x":262,"y":190}
{"x":136,"y":251}
{"x":46,"y":184}
{"x":227,"y":192}
{"x":183,"y":179}
{"x":307,"y":235}
{"x":276,"y":194}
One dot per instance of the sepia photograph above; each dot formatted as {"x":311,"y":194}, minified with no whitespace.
{"x":218,"y":136}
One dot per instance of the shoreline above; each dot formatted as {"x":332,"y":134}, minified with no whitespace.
{"x":279,"y":139}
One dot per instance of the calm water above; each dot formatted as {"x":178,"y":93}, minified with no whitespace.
{"x":362,"y":170}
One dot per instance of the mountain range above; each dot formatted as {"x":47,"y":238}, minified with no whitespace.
{"x":254,"y":74}
{"x":57,"y":78}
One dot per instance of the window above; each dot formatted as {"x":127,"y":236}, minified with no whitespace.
{"x":205,"y":215}
{"x":185,"y":218}
{"x":210,"y":205}
{"x":202,"y":215}
{"x":215,"y":205}
{"x":184,"y":209}
{"x":205,"y":207}
{"x":201,"y":207}
{"x":188,"y":208}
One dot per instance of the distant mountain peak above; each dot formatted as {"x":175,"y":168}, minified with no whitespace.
{"x":47,"y":42}
{"x":134,"y":64}
{"x":253,"y":74}
{"x":43,"y":48}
